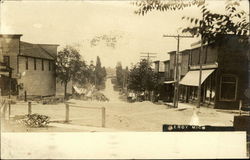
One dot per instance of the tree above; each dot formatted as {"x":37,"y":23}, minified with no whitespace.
{"x":145,"y":6}
{"x":68,"y":65}
{"x":212,"y":25}
{"x":81,"y":75}
{"x":142,"y":77}
{"x":119,"y":74}
{"x":99,"y":73}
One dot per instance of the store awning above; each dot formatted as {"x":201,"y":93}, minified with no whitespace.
{"x":192,"y":77}
{"x":168,"y":82}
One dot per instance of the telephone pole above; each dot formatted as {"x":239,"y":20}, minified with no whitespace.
{"x":148,"y":55}
{"x":177,"y":75}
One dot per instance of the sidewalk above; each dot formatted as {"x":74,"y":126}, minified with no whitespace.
{"x":82,"y":128}
{"x":181,"y":105}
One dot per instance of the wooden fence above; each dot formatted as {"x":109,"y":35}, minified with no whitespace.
{"x":102,"y":109}
{"x":67,"y":111}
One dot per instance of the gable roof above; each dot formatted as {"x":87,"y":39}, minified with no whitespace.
{"x":34,"y":50}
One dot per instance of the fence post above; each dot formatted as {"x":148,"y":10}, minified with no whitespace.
{"x":25,"y":96}
{"x":9,"y":102}
{"x":103,"y":116}
{"x":29,"y":107}
{"x":67,"y":113}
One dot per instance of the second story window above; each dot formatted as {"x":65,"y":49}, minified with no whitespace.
{"x":42,"y":64}
{"x":27,"y":63}
{"x":6,"y":60}
{"x":34,"y":63}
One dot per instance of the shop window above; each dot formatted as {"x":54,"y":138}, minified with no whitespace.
{"x":228,"y":88}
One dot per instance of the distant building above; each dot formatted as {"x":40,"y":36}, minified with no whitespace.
{"x":165,"y":89}
{"x":33,"y":67}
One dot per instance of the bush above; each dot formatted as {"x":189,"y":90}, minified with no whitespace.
{"x":35,"y":120}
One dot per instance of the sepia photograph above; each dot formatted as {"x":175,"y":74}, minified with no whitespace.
{"x":124,"y":79}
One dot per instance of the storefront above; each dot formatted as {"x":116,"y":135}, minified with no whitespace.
{"x":189,"y":87}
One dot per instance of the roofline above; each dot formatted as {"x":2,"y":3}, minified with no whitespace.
{"x":185,"y":50}
{"x":42,"y":43}
{"x":11,"y":35}
{"x":171,"y":52}
{"x":49,"y":44}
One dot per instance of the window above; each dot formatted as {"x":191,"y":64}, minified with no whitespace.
{"x":42,"y":65}
{"x":228,"y":87}
{"x":34,"y":63}
{"x":27,"y":63}
{"x":49,"y":65}
{"x":6,"y":60}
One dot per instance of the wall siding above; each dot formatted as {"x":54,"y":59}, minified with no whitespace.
{"x":36,"y":82}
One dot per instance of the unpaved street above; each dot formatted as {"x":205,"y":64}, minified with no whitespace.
{"x":124,"y":116}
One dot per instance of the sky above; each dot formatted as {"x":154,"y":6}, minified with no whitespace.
{"x":78,"y":22}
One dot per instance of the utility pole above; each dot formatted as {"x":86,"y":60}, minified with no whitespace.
{"x":200,"y":75}
{"x":177,"y":75}
{"x":148,"y":58}
{"x":148,"y":55}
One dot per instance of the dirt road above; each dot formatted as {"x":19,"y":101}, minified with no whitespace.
{"x":124,"y":116}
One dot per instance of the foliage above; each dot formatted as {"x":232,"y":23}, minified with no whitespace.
{"x":69,"y":66}
{"x":100,"y":73}
{"x":145,"y":6}
{"x":35,"y":120}
{"x":109,"y":40}
{"x":119,"y":74}
{"x":142,"y":77}
{"x":81,"y":76}
{"x":212,"y":25}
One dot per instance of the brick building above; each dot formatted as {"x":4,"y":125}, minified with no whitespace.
{"x":33,"y":67}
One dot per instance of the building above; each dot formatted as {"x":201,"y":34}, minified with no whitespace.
{"x":224,"y":74}
{"x":32,"y":67}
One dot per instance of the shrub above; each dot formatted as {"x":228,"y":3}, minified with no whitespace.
{"x":35,"y":120}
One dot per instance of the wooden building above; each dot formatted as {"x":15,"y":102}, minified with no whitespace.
{"x":224,"y":74}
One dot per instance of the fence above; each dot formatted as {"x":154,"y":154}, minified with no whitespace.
{"x":67,"y":119}
{"x":68,"y":108}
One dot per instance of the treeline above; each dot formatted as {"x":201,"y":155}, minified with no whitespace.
{"x":140,"y":79}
